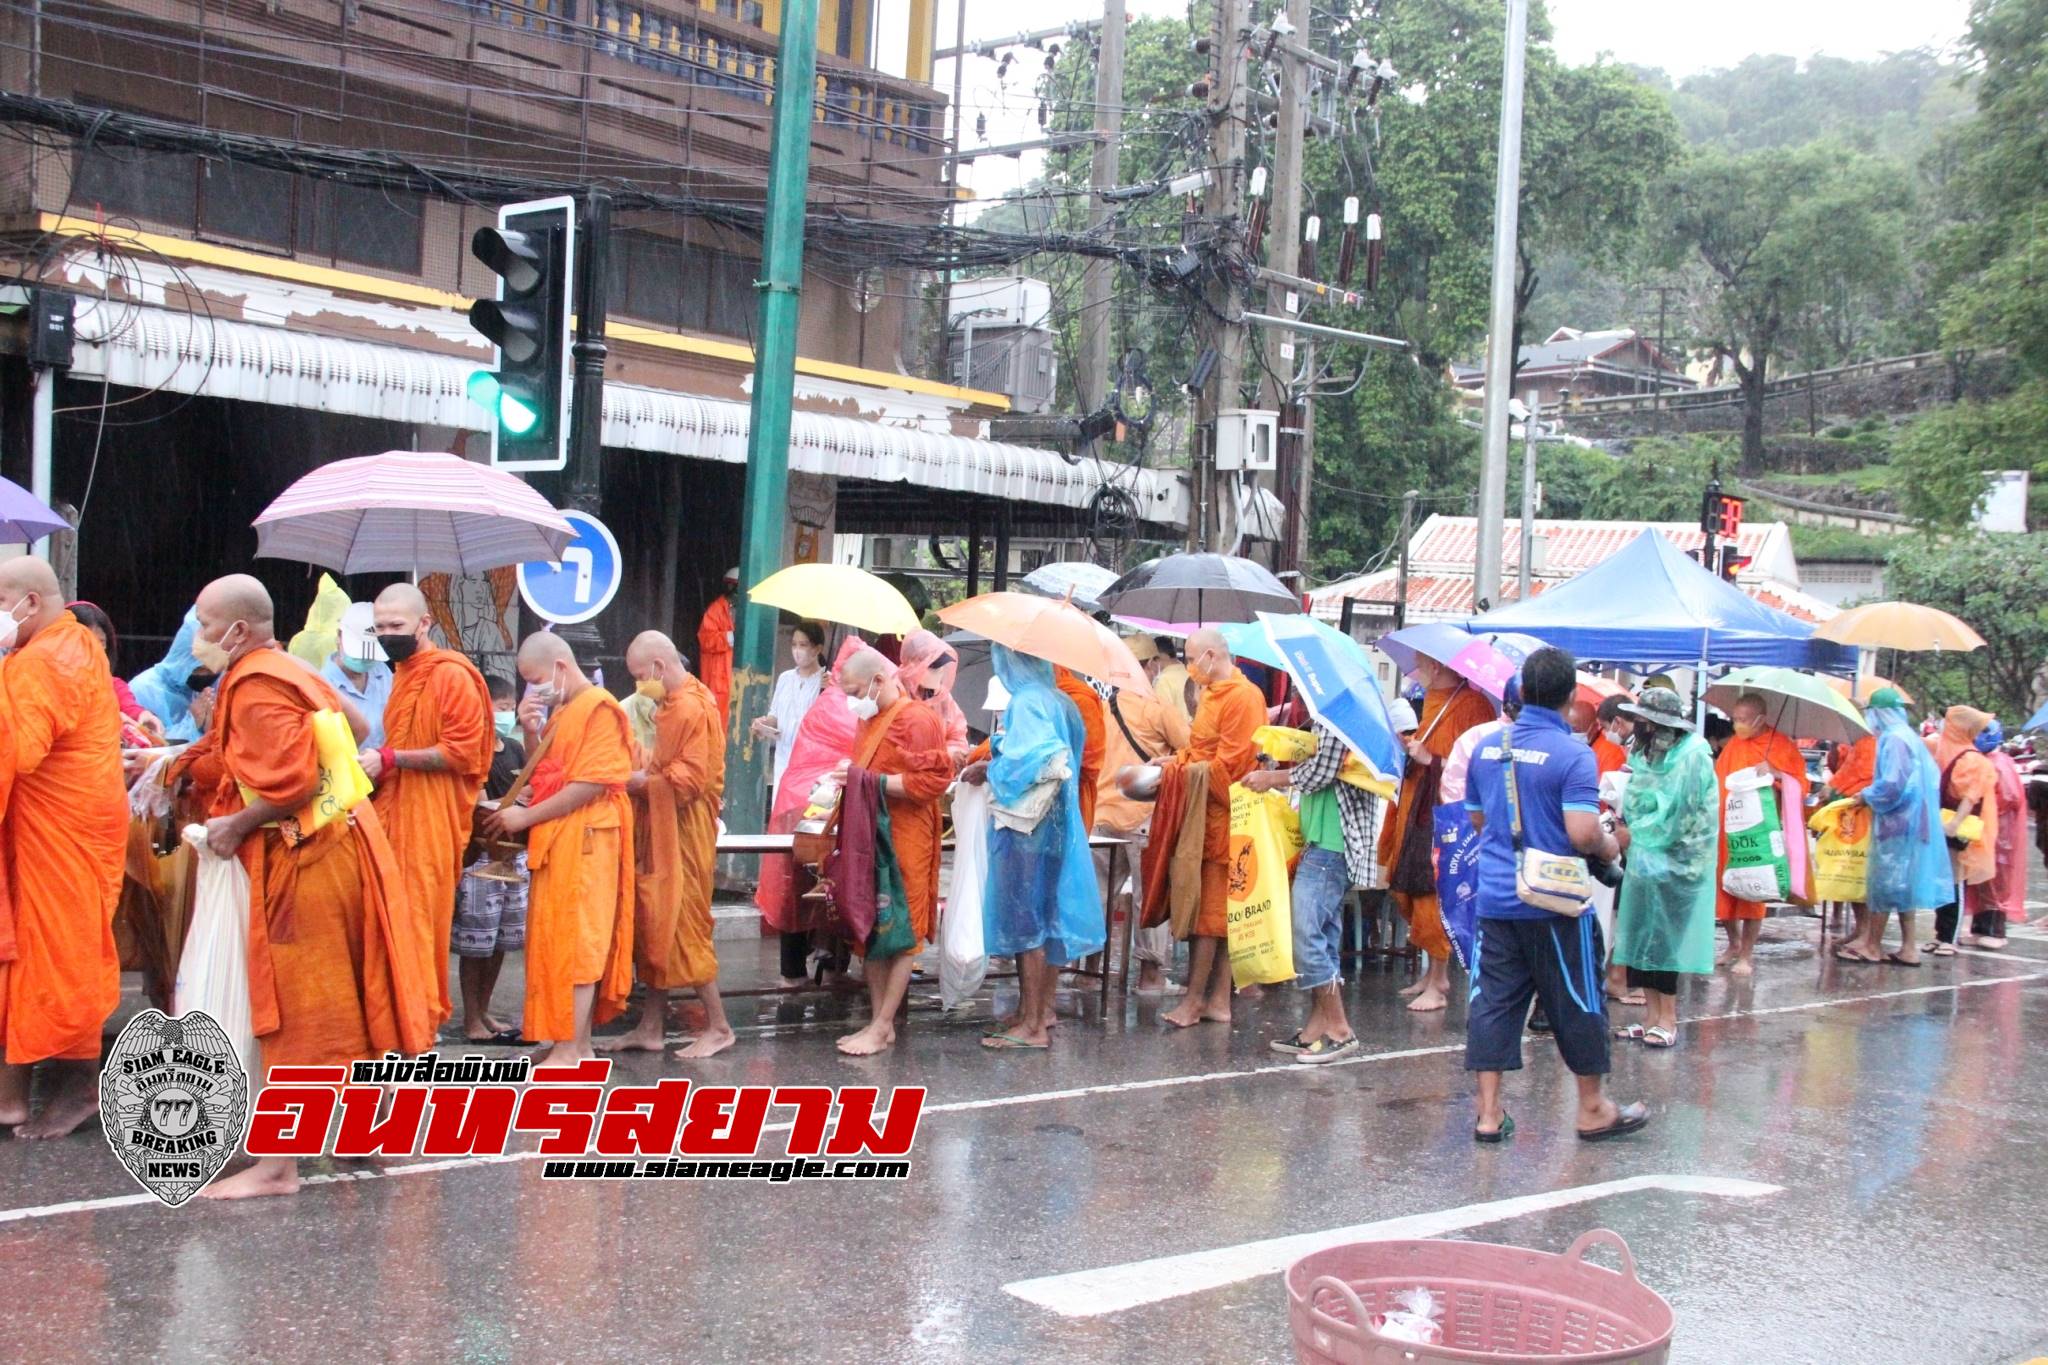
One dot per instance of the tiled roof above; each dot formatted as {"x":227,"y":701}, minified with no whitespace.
{"x":1450,"y":542}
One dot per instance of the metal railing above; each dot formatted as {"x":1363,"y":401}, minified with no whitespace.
{"x":703,"y":48}
{"x":1786,"y":386}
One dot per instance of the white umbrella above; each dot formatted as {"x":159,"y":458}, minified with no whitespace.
{"x":411,"y":512}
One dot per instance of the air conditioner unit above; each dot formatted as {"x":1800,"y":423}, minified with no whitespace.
{"x":1247,"y":438}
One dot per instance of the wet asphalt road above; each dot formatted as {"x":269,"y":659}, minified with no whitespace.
{"x":1900,"y":1112}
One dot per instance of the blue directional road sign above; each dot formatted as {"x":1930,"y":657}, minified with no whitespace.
{"x":583,"y":584}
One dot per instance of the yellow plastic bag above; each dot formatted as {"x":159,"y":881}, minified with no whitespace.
{"x":343,"y":783}
{"x":1841,"y":853}
{"x":1284,"y":745}
{"x":1968,"y":830}
{"x":1264,"y":836}
{"x":322,"y":634}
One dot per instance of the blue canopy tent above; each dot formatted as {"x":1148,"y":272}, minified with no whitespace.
{"x":1650,"y":605}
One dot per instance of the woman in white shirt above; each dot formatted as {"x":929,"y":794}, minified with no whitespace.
{"x":796,"y":690}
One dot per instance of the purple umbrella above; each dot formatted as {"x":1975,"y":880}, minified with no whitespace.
{"x":23,"y":518}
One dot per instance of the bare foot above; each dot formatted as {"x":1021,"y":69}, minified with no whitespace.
{"x":13,"y":1113}
{"x":1741,"y":967}
{"x":1252,"y":992}
{"x":565,"y":1053}
{"x":879,"y":1036}
{"x":72,"y":1105}
{"x":641,"y":1039}
{"x":707,"y":1045}
{"x":1186,"y":1014}
{"x":1153,"y":981}
{"x":1427,"y":1002}
{"x":270,"y":1175}
{"x":792,"y":983}
{"x":1221,"y":1016}
{"x":1407,"y":992}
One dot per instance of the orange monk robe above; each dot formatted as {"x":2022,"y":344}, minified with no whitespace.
{"x":579,"y":911}
{"x":676,"y":828}
{"x":1447,"y":712}
{"x":1229,"y":713}
{"x":438,"y":701}
{"x":1859,"y":767}
{"x":1159,"y":732}
{"x":66,"y":844}
{"x":714,"y":654}
{"x":1770,"y":748}
{"x":334,"y":955}
{"x":1094,"y":739}
{"x":1608,"y":756}
{"x":907,"y":741}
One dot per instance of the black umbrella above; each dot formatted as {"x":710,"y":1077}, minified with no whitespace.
{"x":1202,"y":589}
{"x":971,"y":680}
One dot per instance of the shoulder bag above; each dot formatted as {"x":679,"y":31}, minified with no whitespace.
{"x":1557,"y":882}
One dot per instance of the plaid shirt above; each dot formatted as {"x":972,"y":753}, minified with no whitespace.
{"x":1357,"y":808}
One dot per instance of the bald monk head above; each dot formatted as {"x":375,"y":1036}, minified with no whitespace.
{"x":235,"y":617}
{"x":1209,"y":657}
{"x":867,"y":675}
{"x":547,"y":664}
{"x":30,"y":597}
{"x":654,"y":658}
{"x":403,"y":624}
{"x":1747,"y":714}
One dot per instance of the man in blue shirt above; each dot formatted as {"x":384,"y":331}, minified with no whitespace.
{"x":358,"y":671}
{"x":1520,"y":949}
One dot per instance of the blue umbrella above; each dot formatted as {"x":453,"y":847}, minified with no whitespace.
{"x":2038,"y":721}
{"x":1438,"y":639}
{"x":1086,"y":581}
{"x":1338,"y":686}
{"x":1249,"y":640}
{"x":23,"y":518}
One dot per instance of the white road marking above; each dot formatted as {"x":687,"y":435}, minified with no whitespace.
{"x":1114,"y":1288}
{"x":1034,"y":1097}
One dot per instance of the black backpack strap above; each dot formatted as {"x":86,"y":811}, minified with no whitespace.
{"x":1124,"y":726}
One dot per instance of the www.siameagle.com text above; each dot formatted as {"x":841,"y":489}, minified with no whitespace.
{"x":774,"y":1172}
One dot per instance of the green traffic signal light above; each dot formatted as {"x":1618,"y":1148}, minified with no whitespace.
{"x":515,"y":415}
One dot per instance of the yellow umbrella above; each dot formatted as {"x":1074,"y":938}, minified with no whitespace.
{"x":840,"y":593}
{"x":1899,"y":625}
{"x":1865,"y":686}
{"x":1051,"y":630}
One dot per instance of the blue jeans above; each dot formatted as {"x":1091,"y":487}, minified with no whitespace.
{"x":1320,"y":881}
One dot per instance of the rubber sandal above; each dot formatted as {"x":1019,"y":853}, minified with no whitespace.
{"x":1323,"y":1051}
{"x":1006,"y":1042}
{"x":1500,"y":1134}
{"x":1658,"y":1037}
{"x":1629,"y":1118}
{"x":1292,"y":1046}
{"x":1844,"y":955}
{"x":1898,"y":961}
{"x":1937,"y":950}
{"x":1630,"y":1032}
{"x":1541,"y":1025}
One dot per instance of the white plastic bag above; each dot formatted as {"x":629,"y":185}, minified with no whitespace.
{"x":963,"y":961}
{"x":213,"y":973}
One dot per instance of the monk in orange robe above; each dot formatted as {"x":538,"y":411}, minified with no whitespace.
{"x":334,"y":954}
{"x":676,"y":789}
{"x":438,"y":742}
{"x":63,"y":845}
{"x":579,"y":910}
{"x":1755,"y":744}
{"x":1450,"y":707}
{"x":904,"y":745}
{"x":714,"y":645}
{"x":1229,"y":714}
{"x":1095,"y":737}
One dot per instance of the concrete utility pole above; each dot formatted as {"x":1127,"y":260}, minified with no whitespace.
{"x":1528,"y":492}
{"x":766,"y":509}
{"x":1500,"y":338}
{"x":1284,"y":352}
{"x":1098,"y":327}
{"x":1214,"y":524}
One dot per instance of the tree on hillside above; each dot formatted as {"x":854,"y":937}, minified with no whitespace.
{"x":1997,"y":583}
{"x":1786,"y":242}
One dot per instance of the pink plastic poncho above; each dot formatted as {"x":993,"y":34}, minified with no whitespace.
{"x":823,"y":740}
{"x":927,"y":672}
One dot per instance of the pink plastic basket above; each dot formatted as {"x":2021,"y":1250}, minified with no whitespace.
{"x":1501,"y":1304}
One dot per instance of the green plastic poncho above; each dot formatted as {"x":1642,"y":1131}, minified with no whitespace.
{"x":1665,"y":921}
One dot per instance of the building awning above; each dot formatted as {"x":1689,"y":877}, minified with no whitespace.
{"x":152,"y":348}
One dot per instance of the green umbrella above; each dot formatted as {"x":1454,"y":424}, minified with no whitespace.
{"x":1797,"y":704}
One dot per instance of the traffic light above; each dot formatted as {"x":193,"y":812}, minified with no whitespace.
{"x":1731,"y":562}
{"x":1730,"y":517}
{"x":532,"y":251}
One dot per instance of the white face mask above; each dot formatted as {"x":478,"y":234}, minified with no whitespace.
{"x":863,"y":708}
{"x":10,"y":628}
{"x":803,"y":655}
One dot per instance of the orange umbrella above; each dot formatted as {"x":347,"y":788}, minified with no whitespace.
{"x":1052,"y":630}
{"x":1594,"y":689}
{"x":1867,"y":685}
{"x":1899,"y":625}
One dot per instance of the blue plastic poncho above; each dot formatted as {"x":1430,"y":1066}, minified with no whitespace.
{"x":1041,"y":885}
{"x":1909,"y":867}
{"x":161,"y":688}
{"x":1665,"y":922}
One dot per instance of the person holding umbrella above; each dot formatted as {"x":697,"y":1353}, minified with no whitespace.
{"x":1666,"y":920}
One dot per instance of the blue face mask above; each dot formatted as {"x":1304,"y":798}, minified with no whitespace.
{"x":1990,"y":737}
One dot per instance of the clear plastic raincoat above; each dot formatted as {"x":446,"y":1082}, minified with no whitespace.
{"x":1665,"y":922}
{"x":1041,"y":882}
{"x":1909,"y":868}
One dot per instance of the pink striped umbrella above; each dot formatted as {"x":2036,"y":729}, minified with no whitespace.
{"x":411,"y":512}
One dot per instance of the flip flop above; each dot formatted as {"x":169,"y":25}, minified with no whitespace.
{"x":1291,"y":1047}
{"x":1898,"y":961}
{"x":1628,"y":1118}
{"x":1844,"y":955}
{"x":1658,"y":1037}
{"x":1007,"y":1042}
{"x":1500,"y":1134}
{"x":1325,"y":1050}
{"x":1630,"y":1032}
{"x":1938,"y":950}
